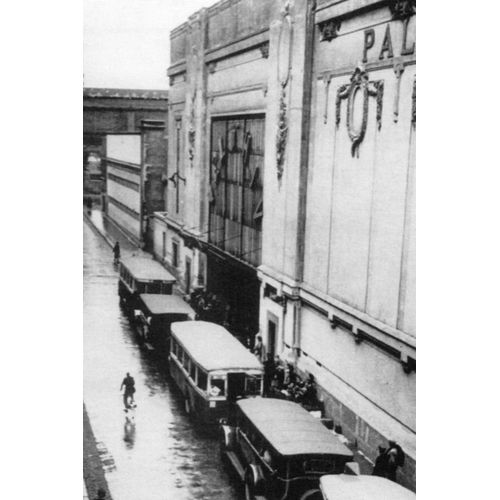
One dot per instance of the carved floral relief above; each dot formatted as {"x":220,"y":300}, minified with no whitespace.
{"x":284,"y":60}
{"x":192,"y":130}
{"x":414,"y":102}
{"x":359,"y":83}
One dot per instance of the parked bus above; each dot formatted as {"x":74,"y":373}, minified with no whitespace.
{"x":280,"y":450}
{"x":345,"y":487}
{"x":156,"y":313}
{"x":142,"y":275}
{"x":212,"y":369}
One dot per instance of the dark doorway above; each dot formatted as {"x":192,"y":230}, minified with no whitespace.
{"x":237,"y":286}
{"x":188,"y":275}
{"x":271,"y":337}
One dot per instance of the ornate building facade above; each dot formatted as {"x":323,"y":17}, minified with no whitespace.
{"x":291,"y":192}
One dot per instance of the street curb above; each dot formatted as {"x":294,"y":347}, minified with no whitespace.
{"x":93,"y":471}
{"x":122,"y":231}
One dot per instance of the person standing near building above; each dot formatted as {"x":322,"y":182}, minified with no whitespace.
{"x":258,"y":347}
{"x":116,"y":252}
{"x":395,"y":459}
{"x":268,"y":373}
{"x":129,"y":384}
{"x":380,"y":467}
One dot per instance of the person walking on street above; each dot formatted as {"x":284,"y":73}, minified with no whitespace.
{"x":129,"y":384}
{"x":116,"y":252}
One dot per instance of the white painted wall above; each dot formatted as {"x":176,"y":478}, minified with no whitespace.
{"x":159,"y":227}
{"x":124,"y":220}
{"x":124,"y":147}
{"x":360,"y":224}
{"x":125,"y":195}
{"x":362,"y":369}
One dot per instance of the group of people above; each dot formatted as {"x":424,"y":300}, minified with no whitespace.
{"x":388,"y":461}
{"x":281,"y":381}
{"x":209,"y":307}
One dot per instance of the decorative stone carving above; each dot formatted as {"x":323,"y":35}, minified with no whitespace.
{"x":282,"y":134}
{"x":192,"y":130}
{"x":414,"y":101}
{"x":402,"y":9}
{"x":327,"y":78}
{"x":329,"y":30}
{"x":359,"y":83}
{"x":211,"y":66}
{"x":398,"y":71}
{"x":264,"y":50}
{"x":171,"y":80}
{"x":284,"y":58}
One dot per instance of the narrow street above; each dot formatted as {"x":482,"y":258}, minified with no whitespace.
{"x":162,"y":455}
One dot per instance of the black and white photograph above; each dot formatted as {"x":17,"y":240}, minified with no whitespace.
{"x":249,"y":249}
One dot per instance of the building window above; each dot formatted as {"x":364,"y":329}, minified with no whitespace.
{"x":175,"y":254}
{"x":236,"y":190}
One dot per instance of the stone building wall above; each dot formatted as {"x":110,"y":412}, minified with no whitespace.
{"x":335,"y":84}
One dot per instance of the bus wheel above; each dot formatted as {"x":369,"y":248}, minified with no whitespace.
{"x":311,"y":495}
{"x":187,"y":406}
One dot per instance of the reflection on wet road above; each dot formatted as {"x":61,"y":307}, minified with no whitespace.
{"x":157,"y":453}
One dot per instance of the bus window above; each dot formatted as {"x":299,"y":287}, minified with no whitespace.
{"x":253,"y":385}
{"x":319,"y":466}
{"x":180,"y":354}
{"x":186,"y":362}
{"x":217,"y":387}
{"x":202,"y":379}
{"x":192,"y":372}
{"x":153,"y":288}
{"x":173,"y":346}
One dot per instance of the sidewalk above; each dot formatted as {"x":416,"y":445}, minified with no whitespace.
{"x":109,"y":231}
{"x":93,"y":472}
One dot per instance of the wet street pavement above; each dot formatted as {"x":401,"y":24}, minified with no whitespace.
{"x":162,"y":455}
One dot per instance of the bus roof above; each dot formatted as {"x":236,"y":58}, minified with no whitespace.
{"x":213,"y":347}
{"x":290,"y":429}
{"x":144,"y":269}
{"x":344,"y":487}
{"x":166,"y":304}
